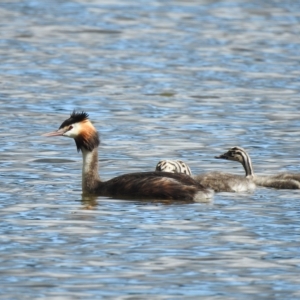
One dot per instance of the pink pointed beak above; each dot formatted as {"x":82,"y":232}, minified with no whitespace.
{"x":58,"y":132}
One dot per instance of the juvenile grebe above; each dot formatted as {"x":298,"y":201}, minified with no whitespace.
{"x":280,"y":181}
{"x":144,"y":185}
{"x":218,"y":181}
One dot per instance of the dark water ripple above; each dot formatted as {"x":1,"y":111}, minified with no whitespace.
{"x":160,"y":79}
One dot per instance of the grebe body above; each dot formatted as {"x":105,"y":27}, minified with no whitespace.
{"x":280,"y":181}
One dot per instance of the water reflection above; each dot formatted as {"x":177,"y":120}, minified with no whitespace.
{"x":89,"y":202}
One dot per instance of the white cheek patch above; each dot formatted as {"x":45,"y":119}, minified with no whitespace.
{"x":73,"y":132}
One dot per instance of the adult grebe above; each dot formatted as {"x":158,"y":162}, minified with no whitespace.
{"x":218,"y":181}
{"x":144,"y":185}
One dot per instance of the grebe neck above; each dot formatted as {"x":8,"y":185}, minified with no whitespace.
{"x":90,"y":175}
{"x":248,"y":167}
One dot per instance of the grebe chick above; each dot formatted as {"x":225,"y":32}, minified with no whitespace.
{"x":281,"y":181}
{"x":173,"y":166}
{"x":218,"y":181}
{"x":144,"y":185}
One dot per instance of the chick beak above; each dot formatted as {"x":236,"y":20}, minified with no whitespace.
{"x":222,"y":156}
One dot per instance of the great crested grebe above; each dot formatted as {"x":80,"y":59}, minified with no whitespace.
{"x":144,"y":185}
{"x":218,"y":181}
{"x":280,"y":181}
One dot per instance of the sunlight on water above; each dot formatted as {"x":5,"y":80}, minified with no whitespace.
{"x":161,"y":80}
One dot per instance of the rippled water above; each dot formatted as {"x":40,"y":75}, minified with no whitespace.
{"x":160,"y":79}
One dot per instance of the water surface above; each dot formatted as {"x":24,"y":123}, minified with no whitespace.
{"x":160,"y":80}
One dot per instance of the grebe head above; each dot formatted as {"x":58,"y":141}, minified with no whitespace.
{"x":235,"y":154}
{"x":78,"y":127}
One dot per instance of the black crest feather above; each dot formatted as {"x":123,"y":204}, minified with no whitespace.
{"x":75,"y":117}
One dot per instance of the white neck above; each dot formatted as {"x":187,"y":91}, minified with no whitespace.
{"x":90,"y":176}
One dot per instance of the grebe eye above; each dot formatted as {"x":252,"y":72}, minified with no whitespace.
{"x":71,"y":127}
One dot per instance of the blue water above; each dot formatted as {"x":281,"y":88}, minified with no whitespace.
{"x":161,"y":80}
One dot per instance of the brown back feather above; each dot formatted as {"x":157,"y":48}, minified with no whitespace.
{"x":155,"y":185}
